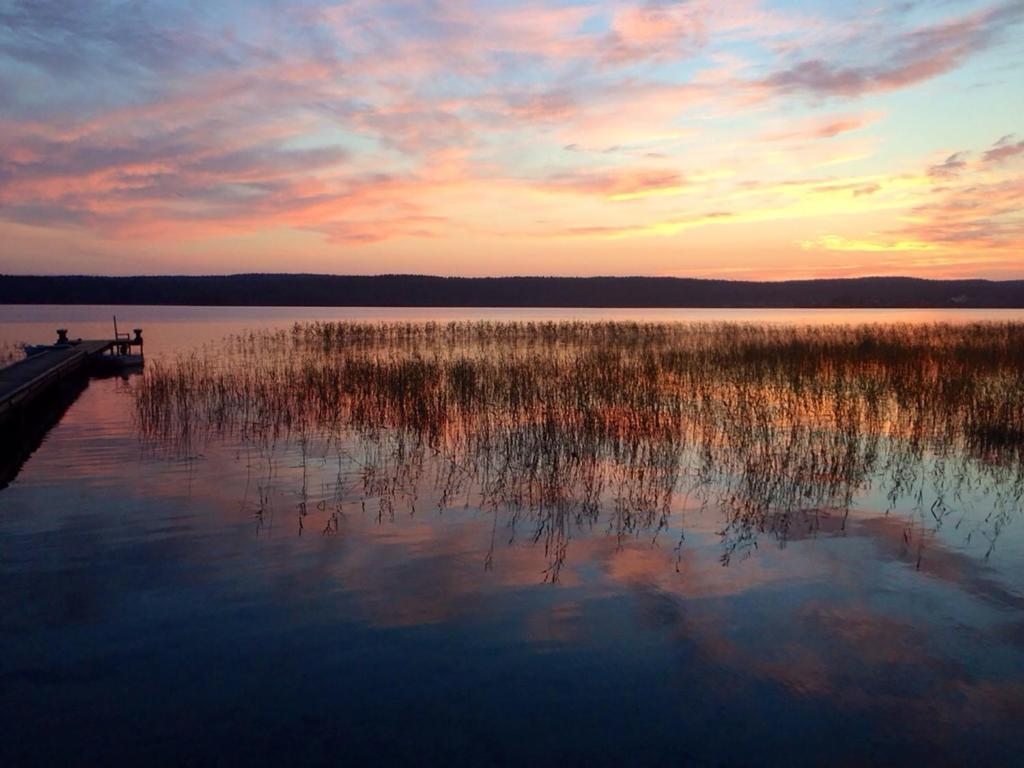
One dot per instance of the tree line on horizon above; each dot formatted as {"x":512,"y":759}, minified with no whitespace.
{"x":431,"y":291}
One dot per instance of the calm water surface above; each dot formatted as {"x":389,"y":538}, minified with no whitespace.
{"x":229,"y":606}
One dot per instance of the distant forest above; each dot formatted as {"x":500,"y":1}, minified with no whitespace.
{"x":427,"y":291}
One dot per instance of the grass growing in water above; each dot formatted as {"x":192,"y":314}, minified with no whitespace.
{"x":572,"y":423}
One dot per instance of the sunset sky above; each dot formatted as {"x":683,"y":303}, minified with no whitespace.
{"x":741,"y":139}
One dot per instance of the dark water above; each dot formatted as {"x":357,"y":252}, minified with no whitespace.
{"x":232,"y":606}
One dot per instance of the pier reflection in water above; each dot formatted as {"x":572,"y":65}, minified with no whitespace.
{"x":758,"y":545}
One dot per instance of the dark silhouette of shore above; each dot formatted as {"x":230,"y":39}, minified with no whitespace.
{"x":429,"y":291}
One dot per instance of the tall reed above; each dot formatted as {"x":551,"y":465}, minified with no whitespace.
{"x":564,"y":421}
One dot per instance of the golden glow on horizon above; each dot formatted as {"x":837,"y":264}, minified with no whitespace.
{"x":837,"y":243}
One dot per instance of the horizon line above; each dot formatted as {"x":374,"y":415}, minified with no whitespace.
{"x":423,"y":275}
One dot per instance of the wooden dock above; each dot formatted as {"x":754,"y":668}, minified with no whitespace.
{"x":25,"y":380}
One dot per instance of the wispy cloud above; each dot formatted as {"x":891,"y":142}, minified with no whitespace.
{"x":950,"y":167}
{"x":901,"y":58}
{"x":622,"y":184}
{"x":492,"y":125}
{"x":827,"y":127}
{"x":1004,"y":149}
{"x":966,"y":211}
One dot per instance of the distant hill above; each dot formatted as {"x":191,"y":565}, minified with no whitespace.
{"x":427,"y":291}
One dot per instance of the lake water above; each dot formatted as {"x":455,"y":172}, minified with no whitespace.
{"x":225,"y":603}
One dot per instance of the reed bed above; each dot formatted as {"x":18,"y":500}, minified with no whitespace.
{"x":572,"y":423}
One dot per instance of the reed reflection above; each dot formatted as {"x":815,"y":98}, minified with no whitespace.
{"x":557,"y":428}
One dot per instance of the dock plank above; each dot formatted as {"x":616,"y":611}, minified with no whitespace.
{"x":20,"y":380}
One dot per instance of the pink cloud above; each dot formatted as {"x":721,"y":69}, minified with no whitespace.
{"x":950,"y":167}
{"x":615,"y":182}
{"x":822,"y":128}
{"x":1004,"y":149}
{"x":902,"y":60}
{"x":656,"y":30}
